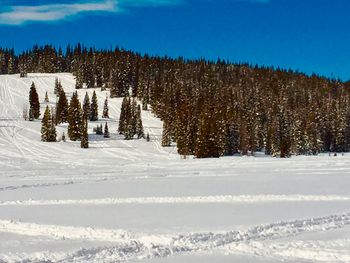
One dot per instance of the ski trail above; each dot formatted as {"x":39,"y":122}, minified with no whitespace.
{"x":8,"y":188}
{"x":9,"y":114}
{"x":64,"y":232}
{"x":227,"y":199}
{"x":163,"y":246}
{"x":129,"y":247}
{"x":295,"y":251}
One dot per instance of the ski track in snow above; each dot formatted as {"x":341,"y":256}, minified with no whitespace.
{"x":129,"y":247}
{"x":175,"y":200}
{"x":297,"y":251}
{"x":7,"y":188}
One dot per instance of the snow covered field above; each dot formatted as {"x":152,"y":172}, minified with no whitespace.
{"x":133,"y":201}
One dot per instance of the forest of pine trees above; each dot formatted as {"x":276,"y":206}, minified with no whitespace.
{"x":209,"y":109}
{"x":130,"y":121}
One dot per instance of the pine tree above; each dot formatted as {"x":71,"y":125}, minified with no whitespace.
{"x":62,"y":108}
{"x":46,"y":100}
{"x":53,"y":134}
{"x":268,"y":144}
{"x":124,"y":115}
{"x":139,"y":126}
{"x":144,"y":103}
{"x":94,"y":108}
{"x":129,"y":121}
{"x":105,"y":113}
{"x":46,"y":126}
{"x":84,"y":140}
{"x":243,"y":138}
{"x":98,"y":130}
{"x":106,"y":132}
{"x":232,"y":143}
{"x":87,"y":105}
{"x":129,"y":134}
{"x":202,"y":149}
{"x":89,"y":76}
{"x":74,"y":118}
{"x":79,"y":83}
{"x":57,"y":87}
{"x":34,"y":102}
{"x":166,"y":137}
{"x":284,"y":134}
{"x":48,"y":130}
{"x":133,"y":117}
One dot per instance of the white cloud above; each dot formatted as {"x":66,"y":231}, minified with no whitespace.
{"x":20,"y":14}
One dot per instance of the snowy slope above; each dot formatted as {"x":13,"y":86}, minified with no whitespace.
{"x":127,"y":201}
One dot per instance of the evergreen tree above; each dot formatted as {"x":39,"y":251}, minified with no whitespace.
{"x":86,"y":105}
{"x":89,"y":76}
{"x":99,"y":130}
{"x":166,"y":137}
{"x":106,"y":132}
{"x":74,"y":118}
{"x":53,"y":134}
{"x":46,"y":126}
{"x":129,"y":134}
{"x":105,"y":113}
{"x":232,"y":142}
{"x":46,"y":100}
{"x":133,"y":117}
{"x":94,"y":108}
{"x":79,"y":81}
{"x":84,"y":140}
{"x":144,"y":103}
{"x":139,"y":126}
{"x":284,"y":134}
{"x":243,"y":139}
{"x":62,"y":108}
{"x":124,"y":115}
{"x":34,"y":102}
{"x":48,"y":130}
{"x":57,"y":87}
{"x":269,"y":136}
{"x":207,"y":141}
{"x":129,"y":124}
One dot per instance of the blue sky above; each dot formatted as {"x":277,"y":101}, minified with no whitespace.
{"x":308,"y":35}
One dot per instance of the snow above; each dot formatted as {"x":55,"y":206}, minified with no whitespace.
{"x":134,"y":201}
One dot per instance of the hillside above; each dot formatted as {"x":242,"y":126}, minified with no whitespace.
{"x":127,"y":201}
{"x":22,"y":138}
{"x":210,"y":109}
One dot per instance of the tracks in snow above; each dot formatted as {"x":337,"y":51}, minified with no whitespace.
{"x":222,"y":199}
{"x":128,"y":247}
{"x":8,"y":188}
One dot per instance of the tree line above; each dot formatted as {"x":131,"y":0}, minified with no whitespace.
{"x":211,"y":109}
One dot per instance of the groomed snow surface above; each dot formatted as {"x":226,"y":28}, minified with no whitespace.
{"x":133,"y":201}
